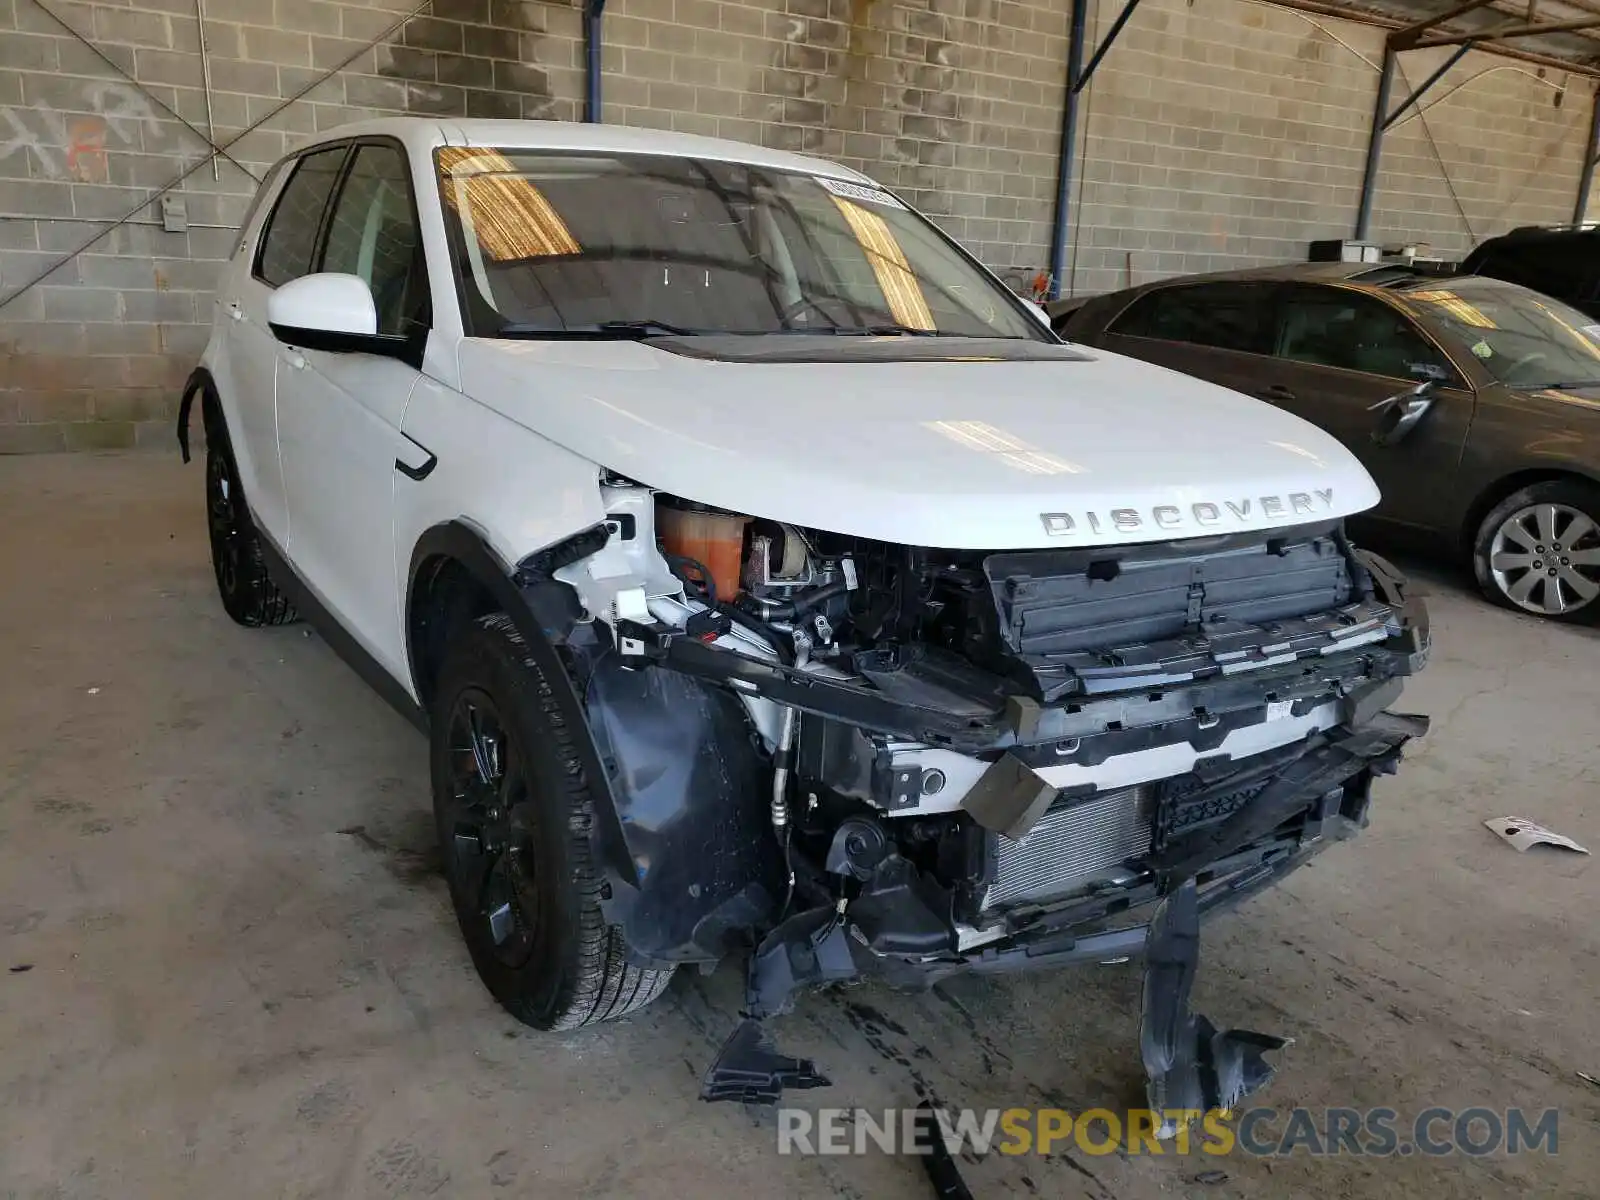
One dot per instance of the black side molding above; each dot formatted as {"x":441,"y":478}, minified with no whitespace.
{"x":355,"y":655}
{"x":417,"y":473}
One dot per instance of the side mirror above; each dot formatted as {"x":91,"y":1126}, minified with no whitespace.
{"x":335,"y":312}
{"x":1400,"y":413}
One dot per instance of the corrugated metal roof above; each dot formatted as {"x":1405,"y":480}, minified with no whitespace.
{"x":1579,"y":48}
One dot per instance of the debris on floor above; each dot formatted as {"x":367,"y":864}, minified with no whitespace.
{"x":751,"y":1071}
{"x":937,"y":1160}
{"x":1588,"y":1078}
{"x":1522,"y":833}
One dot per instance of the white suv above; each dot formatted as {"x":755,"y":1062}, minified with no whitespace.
{"x":771,"y":581}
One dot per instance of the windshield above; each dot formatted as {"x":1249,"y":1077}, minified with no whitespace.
{"x":1525,"y":340}
{"x":554,"y":243}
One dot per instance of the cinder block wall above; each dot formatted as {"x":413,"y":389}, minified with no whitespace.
{"x":1229,"y":133}
{"x":1217,"y":134}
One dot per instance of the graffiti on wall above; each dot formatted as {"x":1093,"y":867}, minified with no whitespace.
{"x":73,"y":145}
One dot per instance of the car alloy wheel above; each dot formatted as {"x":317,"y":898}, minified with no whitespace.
{"x":1545,"y":559}
{"x":490,"y":848}
{"x":227,"y":548}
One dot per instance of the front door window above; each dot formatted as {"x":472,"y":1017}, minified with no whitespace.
{"x":1332,"y":327}
{"x":373,"y":234}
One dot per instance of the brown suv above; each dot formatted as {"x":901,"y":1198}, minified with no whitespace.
{"x":1474,"y":403}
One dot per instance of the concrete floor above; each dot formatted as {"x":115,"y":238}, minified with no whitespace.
{"x":244,"y":977}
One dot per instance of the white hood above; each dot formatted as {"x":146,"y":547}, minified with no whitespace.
{"x":958,"y":454}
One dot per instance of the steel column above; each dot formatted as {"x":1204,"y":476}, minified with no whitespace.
{"x":592,"y":12}
{"x":1591,"y":152}
{"x":1380,"y":112}
{"x":1069,"y":139}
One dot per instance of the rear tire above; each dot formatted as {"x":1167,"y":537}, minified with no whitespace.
{"x":514,"y":810}
{"x":248,"y":594}
{"x":1538,"y":551}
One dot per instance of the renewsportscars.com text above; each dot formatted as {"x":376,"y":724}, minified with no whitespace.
{"x":1370,"y":1132}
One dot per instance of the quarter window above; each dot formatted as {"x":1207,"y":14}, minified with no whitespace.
{"x":262,"y":192}
{"x":373,"y":234}
{"x":1227,"y":316}
{"x":291,"y":236}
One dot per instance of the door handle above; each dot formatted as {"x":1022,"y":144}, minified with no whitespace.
{"x":1277,"y":392}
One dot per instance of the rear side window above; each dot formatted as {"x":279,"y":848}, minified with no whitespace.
{"x":1227,"y":316}
{"x":291,"y":236}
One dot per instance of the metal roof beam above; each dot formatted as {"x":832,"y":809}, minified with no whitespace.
{"x":1427,"y":83}
{"x":1509,"y":31}
{"x":1363,"y":16}
{"x":1116,"y":28}
{"x":1407,"y":37}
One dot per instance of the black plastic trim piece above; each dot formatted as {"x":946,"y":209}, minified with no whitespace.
{"x":751,"y":1070}
{"x":937,"y":1160}
{"x":783,"y":346}
{"x":408,"y":349}
{"x":417,"y":473}
{"x":1129,"y":720}
{"x":199,"y":382}
{"x":541,"y":564}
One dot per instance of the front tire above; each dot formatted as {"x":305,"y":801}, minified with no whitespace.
{"x":248,"y":594}
{"x":514,"y":810}
{"x":1538,"y":551}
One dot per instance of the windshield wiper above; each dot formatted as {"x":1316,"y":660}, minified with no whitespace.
{"x":613,"y":329}
{"x":890,"y":330}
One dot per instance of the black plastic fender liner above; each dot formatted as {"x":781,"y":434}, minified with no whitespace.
{"x":199,"y":381}
{"x":459,"y":542}
{"x":688,"y":784}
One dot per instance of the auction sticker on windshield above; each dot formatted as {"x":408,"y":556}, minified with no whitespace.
{"x":855,"y":191}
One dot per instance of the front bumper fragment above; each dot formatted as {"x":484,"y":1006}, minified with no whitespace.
{"x":1190,"y":1066}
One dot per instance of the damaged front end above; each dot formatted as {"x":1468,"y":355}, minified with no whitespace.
{"x":834,"y":755}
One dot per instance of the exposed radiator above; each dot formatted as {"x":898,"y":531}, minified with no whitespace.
{"x":1076,"y":843}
